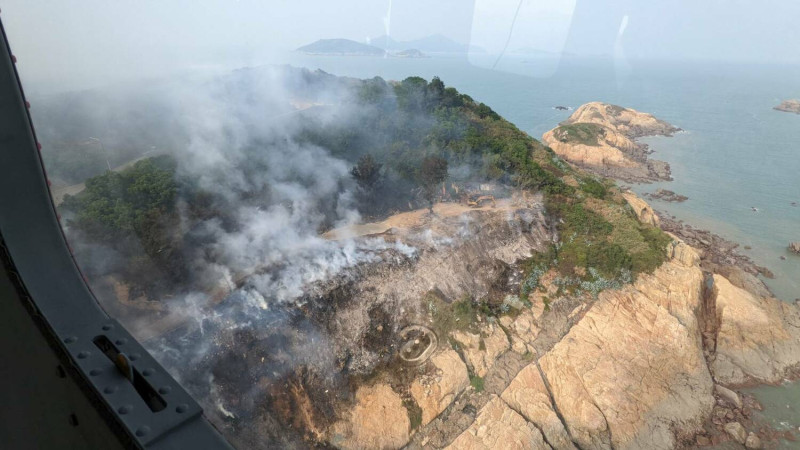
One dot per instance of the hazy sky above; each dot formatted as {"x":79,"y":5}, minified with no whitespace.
{"x":81,"y":43}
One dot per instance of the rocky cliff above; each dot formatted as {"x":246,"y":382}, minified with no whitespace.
{"x":600,"y":137}
{"x":639,"y":367}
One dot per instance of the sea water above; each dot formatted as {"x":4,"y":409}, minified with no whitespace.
{"x":735,"y":153}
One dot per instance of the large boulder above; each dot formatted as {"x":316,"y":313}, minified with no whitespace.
{"x":499,"y":427}
{"x":736,"y":431}
{"x":758,"y":337}
{"x":435,"y":392}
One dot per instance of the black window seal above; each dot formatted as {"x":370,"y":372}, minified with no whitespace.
{"x":34,"y":250}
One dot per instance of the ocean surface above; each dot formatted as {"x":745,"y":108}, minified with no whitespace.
{"x":736,"y":151}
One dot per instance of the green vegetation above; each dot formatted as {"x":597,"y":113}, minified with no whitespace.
{"x":115,"y":204}
{"x":602,"y":246}
{"x":414,"y":412}
{"x":476,"y":382}
{"x":580,"y":133}
{"x":133,"y":212}
{"x":433,"y":171}
{"x":402,"y":125}
{"x":593,"y":187}
{"x":447,"y":317}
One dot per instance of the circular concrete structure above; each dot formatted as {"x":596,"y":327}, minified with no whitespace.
{"x":417,"y":344}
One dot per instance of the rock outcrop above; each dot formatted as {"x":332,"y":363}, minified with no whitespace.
{"x":667,"y":196}
{"x":435,"y":392}
{"x":737,"y":431}
{"x":600,"y":138}
{"x":789,"y":106}
{"x":719,"y":255}
{"x":378,"y":420}
{"x":498,"y":426}
{"x":528,"y":395}
{"x":481,"y":352}
{"x":609,"y":148}
{"x":627,"y":121}
{"x":637,"y":367}
{"x":794,"y":247}
{"x":758,"y":338}
{"x":631,"y":373}
{"x":640,"y":367}
{"x":643,"y":210}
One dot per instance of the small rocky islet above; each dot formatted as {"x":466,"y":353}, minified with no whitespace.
{"x":792,"y":106}
{"x":667,"y":196}
{"x":601,"y":138}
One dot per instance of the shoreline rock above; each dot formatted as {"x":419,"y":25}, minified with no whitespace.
{"x":792,"y":106}
{"x":667,"y":196}
{"x":794,"y":247}
{"x":758,"y":338}
{"x":601,"y":139}
{"x":716,"y":252}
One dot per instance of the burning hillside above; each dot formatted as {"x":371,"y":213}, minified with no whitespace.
{"x":388,"y":246}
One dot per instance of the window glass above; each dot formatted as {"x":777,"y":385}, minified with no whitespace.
{"x":371,"y":224}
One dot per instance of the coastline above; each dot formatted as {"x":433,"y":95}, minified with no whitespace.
{"x":721,"y":257}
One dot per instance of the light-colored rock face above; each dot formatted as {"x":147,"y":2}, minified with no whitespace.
{"x":524,"y":328}
{"x":642,"y":209}
{"x":623,"y":120}
{"x":608,"y":152}
{"x":739,"y":278}
{"x":681,"y":253}
{"x":499,"y":427}
{"x":528,"y":395}
{"x":434,"y":393}
{"x":758,"y":338}
{"x":377,"y":421}
{"x":605,"y":145}
{"x":632,"y":370}
{"x":482,"y":352}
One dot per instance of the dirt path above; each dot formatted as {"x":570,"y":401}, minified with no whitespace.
{"x":59,"y":193}
{"x":411,"y":219}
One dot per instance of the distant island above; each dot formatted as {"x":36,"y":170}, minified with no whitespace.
{"x":347,"y":47}
{"x":340,"y":47}
{"x":410,"y":53}
{"x":789,"y":106}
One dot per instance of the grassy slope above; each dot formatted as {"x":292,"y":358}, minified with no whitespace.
{"x":580,"y":133}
